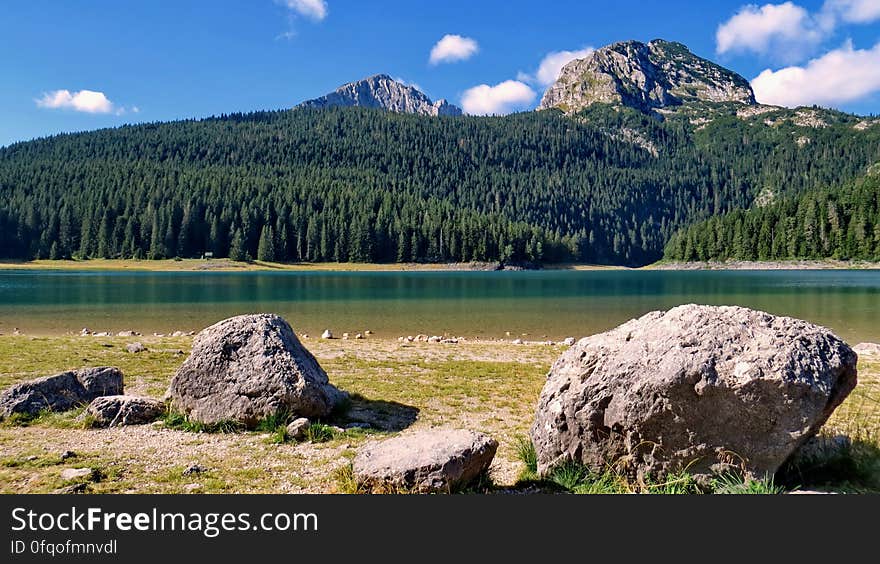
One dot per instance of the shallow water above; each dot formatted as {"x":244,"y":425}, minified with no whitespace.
{"x":539,"y":305}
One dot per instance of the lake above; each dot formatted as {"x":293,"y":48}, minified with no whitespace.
{"x":532,"y":305}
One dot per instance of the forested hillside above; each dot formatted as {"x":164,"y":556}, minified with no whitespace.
{"x":841,"y":223}
{"x":351,"y":184}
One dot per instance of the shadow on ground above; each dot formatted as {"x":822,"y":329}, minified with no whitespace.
{"x":387,"y":416}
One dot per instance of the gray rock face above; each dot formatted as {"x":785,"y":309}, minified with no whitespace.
{"x":61,"y":392}
{"x":119,"y":411}
{"x":382,"y":91}
{"x":698,"y":388}
{"x":248,"y":368}
{"x":660,"y":74}
{"x":436,"y":460}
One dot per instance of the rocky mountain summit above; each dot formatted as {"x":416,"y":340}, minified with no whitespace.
{"x":382,"y":91}
{"x":652,"y":77}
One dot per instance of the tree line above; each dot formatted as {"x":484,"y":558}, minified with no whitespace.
{"x":841,"y":223}
{"x":351,"y":184}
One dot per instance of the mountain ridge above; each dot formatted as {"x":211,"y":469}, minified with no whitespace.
{"x":383,"y":92}
{"x":658,"y":75}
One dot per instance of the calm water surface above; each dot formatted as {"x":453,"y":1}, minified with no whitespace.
{"x":551,"y":304}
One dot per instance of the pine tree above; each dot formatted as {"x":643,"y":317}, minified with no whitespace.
{"x":237,"y":251}
{"x":266,"y":247}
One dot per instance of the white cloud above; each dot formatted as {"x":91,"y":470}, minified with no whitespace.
{"x":553,"y":63}
{"x":312,"y":9}
{"x":453,"y":48}
{"x":853,"y":11}
{"x":784,"y":30}
{"x":87,"y":101}
{"x":843,"y":75}
{"x":500,"y":99}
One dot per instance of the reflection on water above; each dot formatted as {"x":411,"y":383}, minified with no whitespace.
{"x":489,"y":304}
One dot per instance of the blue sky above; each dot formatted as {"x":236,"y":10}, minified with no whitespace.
{"x":162,"y":60}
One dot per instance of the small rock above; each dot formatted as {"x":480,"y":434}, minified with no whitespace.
{"x":85,"y":332}
{"x":517,"y":341}
{"x":102,"y":334}
{"x":358,"y":337}
{"x":33,"y":457}
{"x":121,"y":411}
{"x":867,"y":349}
{"x":135,"y":348}
{"x":305,"y":335}
{"x":79,"y":488}
{"x":60,"y":392}
{"x":178,"y":334}
{"x":435,"y":460}
{"x":195,"y":469}
{"x":67,"y":454}
{"x":434,"y":339}
{"x":76,"y":474}
{"x":368,"y":333}
{"x":298,"y":429}
{"x":125,"y":334}
{"x":569,"y":341}
{"x":190,"y":488}
{"x":345,"y":336}
{"x":327,"y":334}
{"x":337,"y":430}
{"x":410,"y":339}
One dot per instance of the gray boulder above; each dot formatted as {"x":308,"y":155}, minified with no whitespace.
{"x":436,"y":460}
{"x":120,"y":411}
{"x":135,"y":348}
{"x":298,"y":429}
{"x":700,"y":388}
{"x":248,"y":368}
{"x":60,"y":392}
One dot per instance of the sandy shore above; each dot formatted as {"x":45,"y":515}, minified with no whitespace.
{"x":767,"y":265}
{"x":225,"y":265}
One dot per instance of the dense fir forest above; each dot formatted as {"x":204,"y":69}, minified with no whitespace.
{"x":370,"y":186}
{"x":839,"y":223}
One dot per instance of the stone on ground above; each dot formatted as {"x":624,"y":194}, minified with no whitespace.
{"x":436,"y":460}
{"x":706,"y":389}
{"x":120,"y":411}
{"x":247,"y":369}
{"x":60,"y":392}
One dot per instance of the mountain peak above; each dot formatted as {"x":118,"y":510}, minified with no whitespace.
{"x":659,"y":74}
{"x":382,"y":91}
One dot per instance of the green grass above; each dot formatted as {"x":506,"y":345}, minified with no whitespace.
{"x":179,"y":422}
{"x":575,"y":478}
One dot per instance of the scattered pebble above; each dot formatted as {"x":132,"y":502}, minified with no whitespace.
{"x":76,"y":473}
{"x":67,"y":454}
{"x":327,"y":334}
{"x":135,"y":348}
{"x":194,"y":469}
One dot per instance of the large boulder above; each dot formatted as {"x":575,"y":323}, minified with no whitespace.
{"x":60,"y":392}
{"x":700,"y":388}
{"x":120,"y":411}
{"x":437,"y":460}
{"x":248,"y":368}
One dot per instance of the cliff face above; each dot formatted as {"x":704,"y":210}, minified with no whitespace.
{"x":651,"y":76}
{"x":382,"y":91}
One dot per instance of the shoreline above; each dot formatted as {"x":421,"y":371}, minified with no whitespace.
{"x":764,"y":265}
{"x":225,"y":265}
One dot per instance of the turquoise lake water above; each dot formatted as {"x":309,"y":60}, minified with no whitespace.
{"x":539,"y":305}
